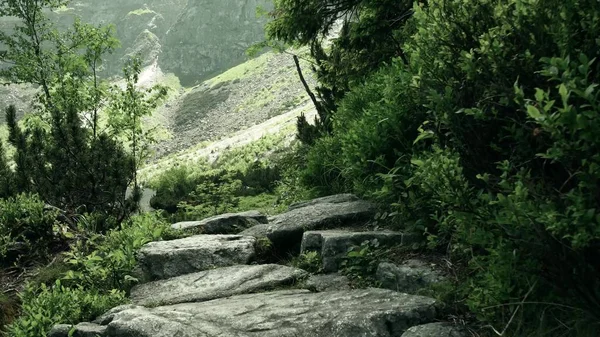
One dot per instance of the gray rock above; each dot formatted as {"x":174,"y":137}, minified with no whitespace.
{"x":435,"y":330}
{"x":292,"y":313}
{"x":327,"y":282}
{"x":210,"y":36}
{"x":109,"y":315}
{"x":333,"y":245}
{"x":331,"y":199}
{"x":60,"y":330}
{"x":165,"y":259}
{"x":409,"y":277}
{"x":230,"y":223}
{"x":80,"y":330}
{"x":215,"y":283}
{"x":285,"y":230}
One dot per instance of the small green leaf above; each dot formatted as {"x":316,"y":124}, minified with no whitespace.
{"x":534,"y":112}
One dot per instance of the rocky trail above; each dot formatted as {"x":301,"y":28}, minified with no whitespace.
{"x":226,"y":281}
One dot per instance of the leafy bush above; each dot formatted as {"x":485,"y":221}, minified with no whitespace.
{"x":44,"y":307}
{"x":215,"y":194}
{"x":309,"y":261}
{"x":106,"y":262}
{"x":172,"y":187}
{"x":485,"y":136}
{"x":26,"y":228}
{"x":360,"y":263}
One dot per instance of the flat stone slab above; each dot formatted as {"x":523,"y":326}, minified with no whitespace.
{"x":333,"y":245}
{"x":215,"y":283}
{"x":291,"y":313}
{"x":435,"y":330}
{"x":229,"y":223}
{"x":409,"y":277}
{"x":285,"y":230}
{"x":166,"y":259}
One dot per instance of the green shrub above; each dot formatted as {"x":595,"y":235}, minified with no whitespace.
{"x":26,"y":228}
{"x":309,"y":261}
{"x":172,"y":187}
{"x":215,"y":194}
{"x":43,"y":307}
{"x":106,"y":262}
{"x":360,"y":263}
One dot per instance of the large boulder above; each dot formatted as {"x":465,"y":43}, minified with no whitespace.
{"x":333,"y":245}
{"x":229,"y":223}
{"x":165,"y":259}
{"x":285,"y":230}
{"x":215,"y":283}
{"x":409,"y":277}
{"x":291,"y":313}
{"x":435,"y":330}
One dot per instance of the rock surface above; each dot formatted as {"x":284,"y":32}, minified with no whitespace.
{"x":435,"y":330}
{"x":165,"y":259}
{"x":285,"y":230}
{"x":327,"y":282}
{"x":330,"y":199}
{"x":409,"y":277}
{"x":293,"y":313}
{"x":333,"y":245}
{"x":210,"y":36}
{"x":229,"y":223}
{"x":80,"y":330}
{"x":215,"y":283}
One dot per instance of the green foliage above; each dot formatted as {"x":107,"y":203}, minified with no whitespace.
{"x":6,"y":174}
{"x":26,"y":228}
{"x":44,"y":306}
{"x":309,"y":261}
{"x":360,"y":263}
{"x":372,"y":33}
{"x":172,"y":187}
{"x":481,"y":134}
{"x":61,"y":152}
{"x":215,"y":194}
{"x":127,"y":110}
{"x":106,"y":262}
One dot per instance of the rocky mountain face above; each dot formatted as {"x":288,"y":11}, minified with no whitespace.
{"x":211,"y":36}
{"x":194,"y":39}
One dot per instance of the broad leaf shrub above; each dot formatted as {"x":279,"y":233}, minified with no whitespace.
{"x":26,"y":229}
{"x":487,"y":142}
{"x":100,"y":276}
{"x":106,"y":262}
{"x":44,"y":307}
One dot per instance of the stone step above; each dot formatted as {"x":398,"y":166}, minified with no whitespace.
{"x":333,"y":245}
{"x":288,"y":313}
{"x":229,"y":223}
{"x":215,"y":283}
{"x":285,"y":230}
{"x":165,"y":259}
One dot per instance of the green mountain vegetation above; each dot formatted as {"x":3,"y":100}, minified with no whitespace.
{"x":472,"y":124}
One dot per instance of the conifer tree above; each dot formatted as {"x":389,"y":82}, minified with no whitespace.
{"x":62,"y":151}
